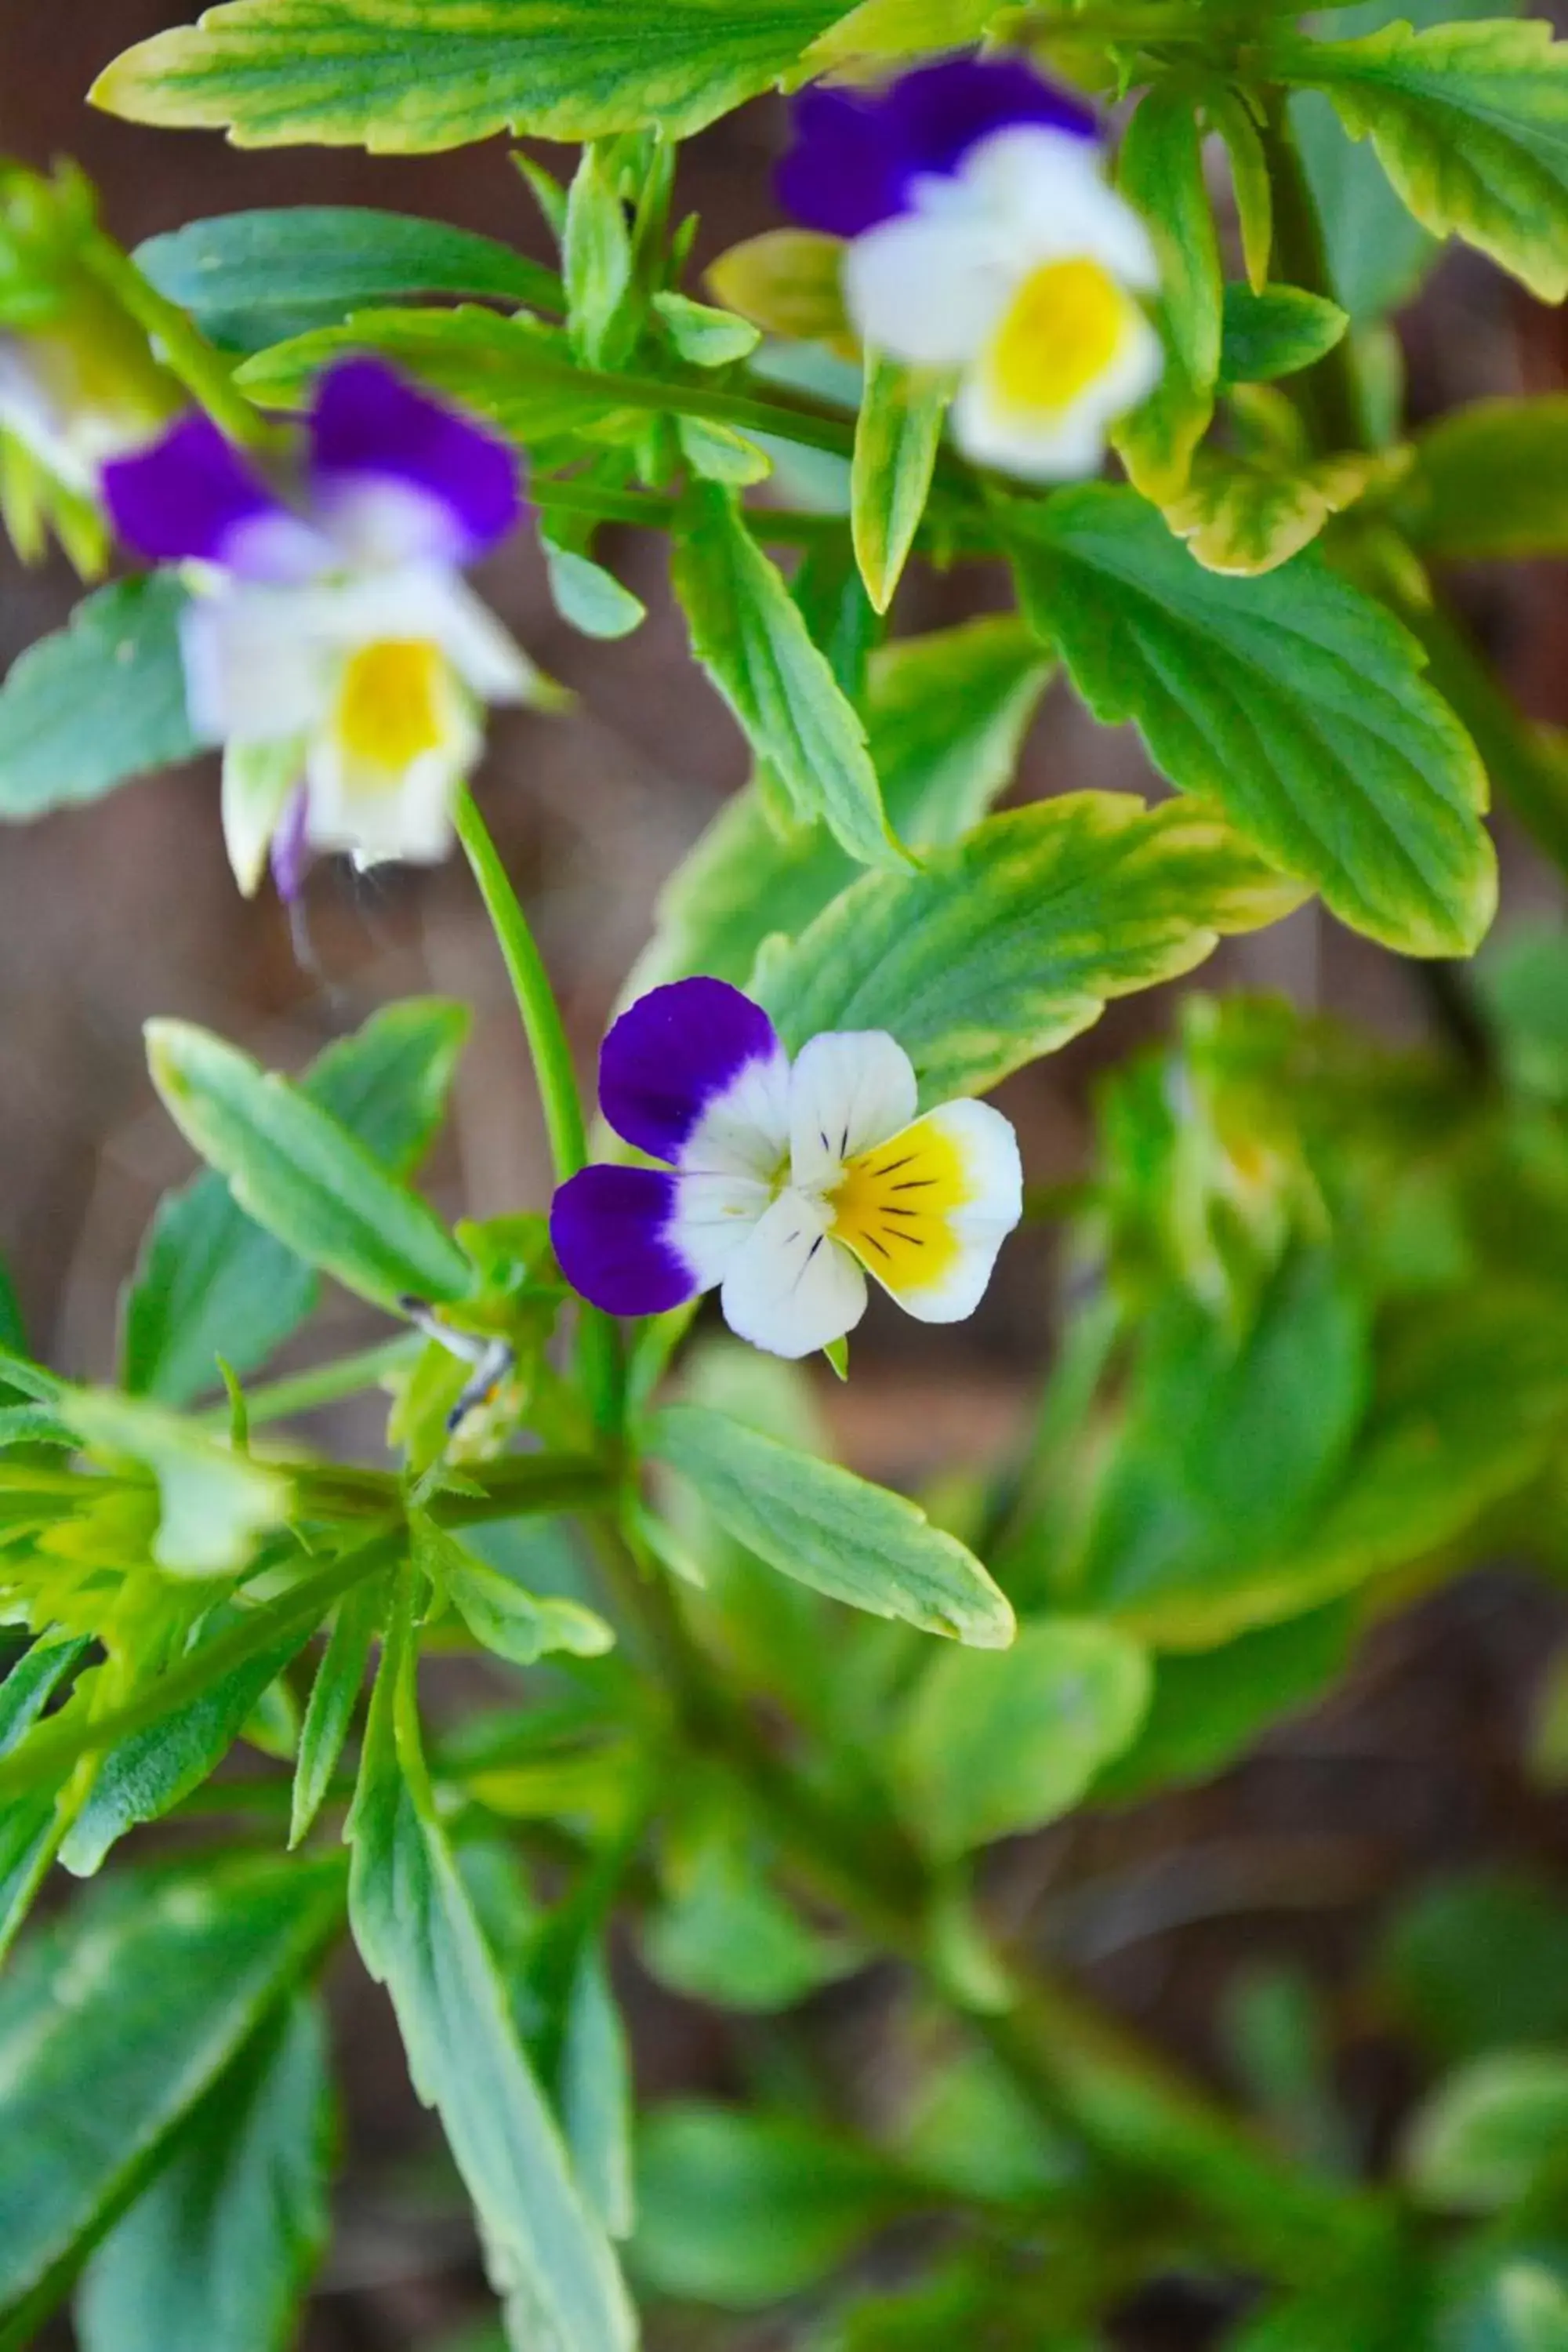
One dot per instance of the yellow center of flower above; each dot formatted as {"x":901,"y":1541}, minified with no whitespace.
{"x":1063,"y":330}
{"x":393,"y":705}
{"x":893,"y":1206}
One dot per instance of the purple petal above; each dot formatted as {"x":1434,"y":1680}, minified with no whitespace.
{"x":391,"y":462}
{"x":857,"y":151}
{"x":609,"y":1226}
{"x":291,"y":848}
{"x":192,"y":496}
{"x":673,"y":1054}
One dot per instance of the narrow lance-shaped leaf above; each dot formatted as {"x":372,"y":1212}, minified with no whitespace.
{"x":335,"y":1695}
{"x":416,"y":1928}
{"x":301,"y":1173}
{"x":845,"y":1536}
{"x":749,"y":635}
{"x":100,"y":701}
{"x":897,"y":435}
{"x":215,"y":2255}
{"x":1161,"y":171}
{"x":1002,"y":949}
{"x":285,"y":73}
{"x":1294,"y":702}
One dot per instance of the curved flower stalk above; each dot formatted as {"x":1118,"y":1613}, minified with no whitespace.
{"x":332,"y":647}
{"x":984,"y":237}
{"x":782,"y":1186}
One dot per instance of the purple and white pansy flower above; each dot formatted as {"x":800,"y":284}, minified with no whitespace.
{"x":986,"y":238}
{"x":333,"y":646}
{"x":783,"y":1185}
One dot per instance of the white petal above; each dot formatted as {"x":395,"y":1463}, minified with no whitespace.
{"x":712,"y":1219}
{"x":430,"y":604}
{"x":927,"y":1211}
{"x":1060,"y":445}
{"x":744,"y":1131}
{"x":258,"y":779}
{"x":377,"y":816}
{"x":927,"y":288}
{"x":257,"y":665}
{"x":849,"y":1089}
{"x":1046,"y":189}
{"x":790,"y":1288}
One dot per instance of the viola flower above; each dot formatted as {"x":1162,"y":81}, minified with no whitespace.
{"x":332,"y":647}
{"x":984,"y":237}
{"x":782,"y":1186}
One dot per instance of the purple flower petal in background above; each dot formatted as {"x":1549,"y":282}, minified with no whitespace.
{"x":192,"y":496}
{"x":390,"y":465}
{"x":675,"y":1057}
{"x":857,"y":152}
{"x":291,"y":848}
{"x":609,"y":1227}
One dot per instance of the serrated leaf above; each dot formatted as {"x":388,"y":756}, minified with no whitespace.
{"x":829,"y":1530}
{"x":100,"y":701}
{"x":253,"y":279}
{"x":988,"y":1747}
{"x":1470,"y":123}
{"x":1490,"y":482}
{"x":1002,"y":949}
{"x":900,"y":28}
{"x":212,"y":1283}
{"x":1242,"y":518}
{"x":302,"y":1173}
{"x":749,"y":636}
{"x":101,"y":2068}
{"x":1276,"y":330}
{"x":410,"y":79}
{"x":896,"y":435}
{"x":1294,"y":702}
{"x":215,"y":2255}
{"x":213,"y":1503}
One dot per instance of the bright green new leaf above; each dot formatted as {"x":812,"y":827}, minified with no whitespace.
{"x":900,"y":28}
{"x":705,"y":337}
{"x":1490,"y":482}
{"x":548,"y":2257}
{"x":1160,"y":168}
{"x":1492,"y":2133}
{"x":1275,"y":330}
{"x":945,"y":717}
{"x":213,"y":1503}
{"x":100,"y":701}
{"x":1002,"y":949}
{"x":596,"y":260}
{"x":987,"y":1747}
{"x":334,"y":1695}
{"x":748,"y":633}
{"x":253,"y":279}
{"x":1242,"y":518}
{"x":100,"y":2068}
{"x":1293,"y":702}
{"x":212,"y":1283}
{"x":515,"y":1624}
{"x":897,"y":435}
{"x":1229,"y":113}
{"x":717,"y":453}
{"x":1470,"y":123}
{"x":588,"y":595}
{"x":214,"y":2256}
{"x":299,"y":1172}
{"x":813,"y":1521}
{"x":408,"y":81}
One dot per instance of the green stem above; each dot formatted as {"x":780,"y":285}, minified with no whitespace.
{"x":1327,"y":391}
{"x":304,"y":1392}
{"x":598,"y":1348}
{"x":185,"y":349}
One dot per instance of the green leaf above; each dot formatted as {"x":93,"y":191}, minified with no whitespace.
{"x":813,"y":1521}
{"x":347,"y":73}
{"x":1470,"y":123}
{"x":251,"y":278}
{"x":900,"y":29}
{"x":1276,"y":330}
{"x":1535,"y":2309}
{"x":215,"y":2255}
{"x":334,"y":1695}
{"x":144,"y":1776}
{"x":1003,"y":947}
{"x":1477,"y":1963}
{"x":100,"y":2067}
{"x":748,"y":633}
{"x":596,"y":259}
{"x":516,"y":1624}
{"x":415,"y":1928}
{"x":1491,"y":2134}
{"x":591,"y":598}
{"x":100,"y":701}
{"x":213,"y":1503}
{"x":1294,"y":702}
{"x":1160,"y":170}
{"x":1243,"y":519}
{"x":741,"y":2210}
{"x":210,"y":1282}
{"x":897,"y":435}
{"x":1229,"y":113}
{"x":1490,"y":482}
{"x":301,"y":1173}
{"x":789,"y":282}
{"x":28,"y":1829}
{"x":596,"y":2094}
{"x":727,"y":1937}
{"x":705,"y":337}
{"x":987,"y":1747}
